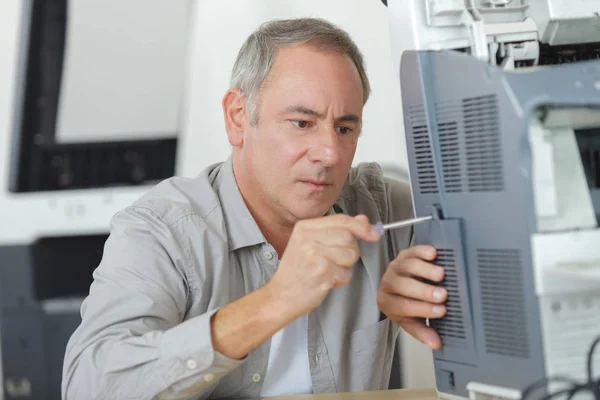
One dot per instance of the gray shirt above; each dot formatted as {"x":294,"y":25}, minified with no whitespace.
{"x":189,"y":247}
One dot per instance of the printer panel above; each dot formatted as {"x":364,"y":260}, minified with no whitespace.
{"x":468,"y":165}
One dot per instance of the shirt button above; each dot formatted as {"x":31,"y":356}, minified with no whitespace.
{"x":209,"y":377}
{"x":268,"y":255}
{"x":191,"y":364}
{"x":256,"y":378}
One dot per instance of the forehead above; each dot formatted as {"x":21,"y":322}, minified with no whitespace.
{"x":308,"y":70}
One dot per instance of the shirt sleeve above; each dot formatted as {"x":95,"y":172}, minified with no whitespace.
{"x":132,"y":343}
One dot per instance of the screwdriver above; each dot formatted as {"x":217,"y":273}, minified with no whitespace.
{"x":381,"y":227}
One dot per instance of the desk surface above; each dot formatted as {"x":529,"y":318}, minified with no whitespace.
{"x":401,"y":394}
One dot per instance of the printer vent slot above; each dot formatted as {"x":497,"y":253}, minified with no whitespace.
{"x":483,"y":144}
{"x":451,"y":328}
{"x":448,"y":114}
{"x":422,"y":146}
{"x":503,"y":302}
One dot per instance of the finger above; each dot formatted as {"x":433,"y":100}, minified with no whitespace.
{"x":418,"y":268}
{"x":333,"y":237}
{"x":424,"y":252}
{"x":423,"y":333}
{"x":402,"y":307}
{"x":331,"y":274}
{"x":340,"y":256}
{"x":359,"y":226}
{"x":341,"y":276}
{"x":414,"y":289}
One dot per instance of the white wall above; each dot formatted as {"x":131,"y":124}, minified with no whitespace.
{"x":220,"y":27}
{"x":219,"y":31}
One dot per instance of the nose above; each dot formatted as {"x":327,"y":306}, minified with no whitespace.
{"x":325,"y":149}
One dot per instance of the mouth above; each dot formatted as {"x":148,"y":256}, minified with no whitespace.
{"x":316,"y":185}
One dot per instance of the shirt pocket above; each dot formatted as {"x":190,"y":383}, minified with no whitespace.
{"x":370,"y":353}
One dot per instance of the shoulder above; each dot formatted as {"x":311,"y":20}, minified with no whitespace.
{"x":179,"y":197}
{"x":174,"y":202}
{"x":367,"y":184}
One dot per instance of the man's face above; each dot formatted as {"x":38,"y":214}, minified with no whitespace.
{"x":298,"y":154}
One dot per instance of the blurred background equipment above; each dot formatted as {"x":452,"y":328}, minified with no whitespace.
{"x":90,"y":108}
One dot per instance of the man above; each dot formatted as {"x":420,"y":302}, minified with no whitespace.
{"x":264,"y":275}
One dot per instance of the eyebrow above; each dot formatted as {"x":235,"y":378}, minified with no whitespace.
{"x":307,"y":111}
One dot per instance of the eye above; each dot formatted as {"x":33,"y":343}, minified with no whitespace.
{"x":343,"y":130}
{"x":302,"y":124}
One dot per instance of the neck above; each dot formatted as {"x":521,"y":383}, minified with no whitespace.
{"x":276,"y":230}
{"x":277,"y":236}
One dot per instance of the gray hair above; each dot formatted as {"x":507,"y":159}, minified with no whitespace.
{"x":256,"y":55}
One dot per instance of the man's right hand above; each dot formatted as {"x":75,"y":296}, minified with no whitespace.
{"x":317,"y":259}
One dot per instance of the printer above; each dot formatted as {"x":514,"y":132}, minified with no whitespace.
{"x":501,"y":105}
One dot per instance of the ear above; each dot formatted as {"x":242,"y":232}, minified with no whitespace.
{"x":236,"y":117}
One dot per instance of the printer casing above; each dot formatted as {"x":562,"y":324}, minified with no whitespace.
{"x":511,"y":319}
{"x":500,"y":102}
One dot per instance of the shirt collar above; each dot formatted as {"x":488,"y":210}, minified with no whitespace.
{"x":242,"y":229}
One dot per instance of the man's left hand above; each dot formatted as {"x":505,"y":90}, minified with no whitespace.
{"x":407,"y":300}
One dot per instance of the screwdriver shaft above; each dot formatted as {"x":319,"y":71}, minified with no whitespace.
{"x":401,"y":224}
